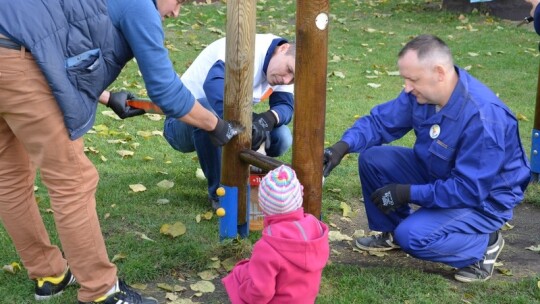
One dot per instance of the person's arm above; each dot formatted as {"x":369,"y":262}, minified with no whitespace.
{"x":140,"y":23}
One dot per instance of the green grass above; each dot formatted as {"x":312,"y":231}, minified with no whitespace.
{"x":364,"y":39}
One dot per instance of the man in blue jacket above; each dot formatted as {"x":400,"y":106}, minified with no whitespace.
{"x":56,"y":59}
{"x":273,"y":77}
{"x":466,"y":171}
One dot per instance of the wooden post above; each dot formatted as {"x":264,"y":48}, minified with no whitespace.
{"x":310,"y":99}
{"x":238,"y":98}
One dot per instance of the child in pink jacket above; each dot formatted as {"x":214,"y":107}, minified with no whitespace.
{"x":287,"y":262}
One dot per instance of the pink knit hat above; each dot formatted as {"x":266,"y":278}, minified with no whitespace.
{"x":280,"y":191}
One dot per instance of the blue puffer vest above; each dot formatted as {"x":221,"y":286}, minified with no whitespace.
{"x":76,"y":46}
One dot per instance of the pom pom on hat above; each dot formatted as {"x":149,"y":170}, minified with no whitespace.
{"x":280,"y":191}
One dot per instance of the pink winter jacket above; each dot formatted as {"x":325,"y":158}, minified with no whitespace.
{"x":286,"y":263}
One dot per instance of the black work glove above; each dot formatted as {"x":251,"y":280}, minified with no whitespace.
{"x":262,"y":124}
{"x":118,"y":103}
{"x":333,"y":156}
{"x":224,"y":132}
{"x":391,"y":197}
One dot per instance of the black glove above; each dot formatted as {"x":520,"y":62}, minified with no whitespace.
{"x":118,"y":103}
{"x":224,"y":132}
{"x":262,"y":124}
{"x":333,"y":156}
{"x":391,"y":197}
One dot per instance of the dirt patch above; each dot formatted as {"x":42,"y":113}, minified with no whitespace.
{"x":515,"y":258}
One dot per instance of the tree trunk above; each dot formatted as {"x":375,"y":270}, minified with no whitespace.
{"x":505,"y":9}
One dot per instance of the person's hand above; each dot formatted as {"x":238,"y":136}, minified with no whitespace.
{"x":259,"y":136}
{"x":391,"y":197}
{"x":118,"y":103}
{"x":224,"y":132}
{"x":261,"y":126}
{"x":333,"y":156}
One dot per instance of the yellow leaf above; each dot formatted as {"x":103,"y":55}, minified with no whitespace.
{"x":118,"y":256}
{"x":198,"y":218}
{"x":207,"y":275}
{"x":346,"y":209}
{"x":12,"y":268}
{"x":208,"y":215}
{"x":373,"y":85}
{"x":203,"y":286}
{"x":137,"y":187}
{"x":507,"y":226}
{"x":125,"y":153}
{"x":144,"y":134}
{"x":520,"y":116}
{"x":138,"y":286}
{"x":175,"y":230}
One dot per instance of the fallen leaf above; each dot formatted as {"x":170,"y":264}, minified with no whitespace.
{"x":346,"y":209}
{"x":534,"y":248}
{"x":207,"y":275}
{"x":174,"y":230}
{"x":338,"y":74}
{"x":139,"y":286}
{"x":203,"y":286}
{"x":168,"y":287}
{"x":507,"y":226}
{"x":373,"y":85}
{"x":137,"y":187}
{"x":199,"y":174}
{"x":12,"y":268}
{"x":165,"y":184}
{"x":338,"y":236}
{"x":505,"y":271}
{"x":143,"y":236}
{"x":520,"y":116}
{"x":229,"y":263}
{"x":125,"y":153}
{"x":162,"y":201}
{"x":118,"y":256}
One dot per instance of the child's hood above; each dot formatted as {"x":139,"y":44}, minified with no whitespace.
{"x":299,"y":238}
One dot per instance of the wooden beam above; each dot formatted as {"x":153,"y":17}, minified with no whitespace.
{"x":238,"y":98}
{"x":310,"y":99}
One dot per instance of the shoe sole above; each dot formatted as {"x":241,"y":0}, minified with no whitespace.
{"x":472,"y":280}
{"x":376,"y":249}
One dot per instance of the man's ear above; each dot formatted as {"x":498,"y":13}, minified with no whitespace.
{"x":283,"y":48}
{"x":440,"y":71}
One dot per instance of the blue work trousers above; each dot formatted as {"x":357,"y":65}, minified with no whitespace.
{"x":456,"y":237}
{"x":186,"y":138}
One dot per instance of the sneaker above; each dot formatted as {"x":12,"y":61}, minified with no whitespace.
{"x":49,"y":287}
{"x":123,"y":295}
{"x":379,"y":242}
{"x":482,"y":270}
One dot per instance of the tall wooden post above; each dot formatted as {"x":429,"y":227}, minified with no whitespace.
{"x":238,"y":98}
{"x":310,"y":99}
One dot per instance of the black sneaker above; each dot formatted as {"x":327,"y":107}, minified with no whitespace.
{"x":482,"y":270}
{"x":124,"y":295}
{"x":48,"y":287}
{"x":378,"y":242}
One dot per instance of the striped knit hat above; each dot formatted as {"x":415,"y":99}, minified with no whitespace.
{"x":280,"y":191}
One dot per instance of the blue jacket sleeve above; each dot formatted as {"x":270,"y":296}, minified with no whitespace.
{"x":385,"y":123}
{"x":214,"y":86}
{"x":140,"y":23}
{"x":283,"y":104}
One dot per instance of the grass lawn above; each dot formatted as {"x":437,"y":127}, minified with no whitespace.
{"x":364,"y":39}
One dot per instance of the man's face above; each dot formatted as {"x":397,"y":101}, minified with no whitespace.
{"x":281,"y":67}
{"x":169,"y":8}
{"x":421,"y":80}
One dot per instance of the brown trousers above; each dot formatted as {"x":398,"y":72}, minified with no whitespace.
{"x":33,"y":136}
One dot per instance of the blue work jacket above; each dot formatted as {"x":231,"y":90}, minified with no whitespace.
{"x":470,"y":149}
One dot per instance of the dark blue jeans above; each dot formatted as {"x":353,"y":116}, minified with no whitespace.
{"x":186,"y":138}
